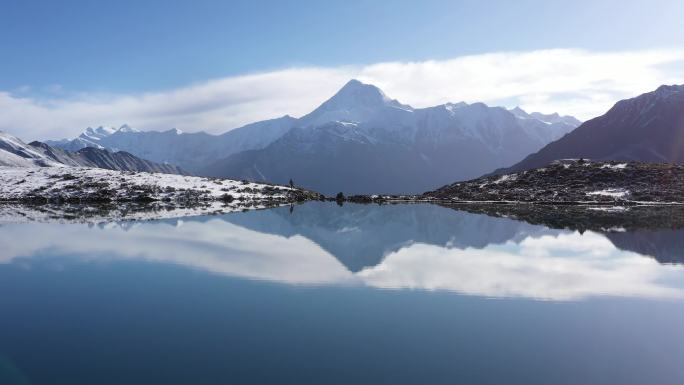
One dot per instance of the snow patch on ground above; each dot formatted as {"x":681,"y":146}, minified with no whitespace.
{"x":504,"y":178}
{"x":84,"y":183}
{"x":620,"y":166}
{"x":611,"y":192}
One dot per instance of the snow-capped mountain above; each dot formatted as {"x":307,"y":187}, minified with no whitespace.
{"x":647,"y":128}
{"x":546,"y":118}
{"x":91,"y":137}
{"x":358,"y":141}
{"x":190,"y":151}
{"x":357,"y":102}
{"x":361,"y":141}
{"x":15,"y":153}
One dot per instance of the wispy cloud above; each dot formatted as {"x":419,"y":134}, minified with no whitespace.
{"x":575,"y":82}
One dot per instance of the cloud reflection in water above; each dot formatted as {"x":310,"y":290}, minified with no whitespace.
{"x":547,"y":265}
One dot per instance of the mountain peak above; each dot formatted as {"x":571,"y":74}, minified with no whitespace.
{"x":667,"y":90}
{"x":453,"y":106}
{"x":353,"y":83}
{"x":642,"y":104}
{"x":126,"y":128}
{"x":546,"y":118}
{"x":95,"y":134}
{"x":354,"y":102}
{"x":174,"y":131}
{"x":356,"y":93}
{"x":519,"y":112}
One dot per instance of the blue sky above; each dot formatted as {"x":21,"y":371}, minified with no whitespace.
{"x":137,"y":45}
{"x":60,"y":51}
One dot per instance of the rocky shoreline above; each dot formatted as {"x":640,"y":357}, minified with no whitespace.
{"x":575,"y":182}
{"x":64,"y":185}
{"x":566,"y":182}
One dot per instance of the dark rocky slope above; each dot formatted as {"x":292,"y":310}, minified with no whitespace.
{"x":575,"y":181}
{"x":101,"y":158}
{"x":648,"y":128}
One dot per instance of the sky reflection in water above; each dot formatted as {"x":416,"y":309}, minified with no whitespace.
{"x":420,"y":247}
{"x":339,"y":295}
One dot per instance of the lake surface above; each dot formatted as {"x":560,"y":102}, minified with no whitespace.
{"x":323,"y":294}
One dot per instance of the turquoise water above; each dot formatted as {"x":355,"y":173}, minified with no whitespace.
{"x":322,"y":294}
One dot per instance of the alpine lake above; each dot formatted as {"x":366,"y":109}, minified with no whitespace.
{"x":320,"y":293}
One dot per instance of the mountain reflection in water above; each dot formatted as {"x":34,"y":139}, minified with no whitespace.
{"x":417,"y":246}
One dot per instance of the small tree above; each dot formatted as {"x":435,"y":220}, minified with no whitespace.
{"x":339,"y":197}
{"x":291,"y":183}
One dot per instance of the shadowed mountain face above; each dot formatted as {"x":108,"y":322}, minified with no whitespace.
{"x":101,"y":158}
{"x":16,"y":153}
{"x":362,"y":142}
{"x":648,"y":128}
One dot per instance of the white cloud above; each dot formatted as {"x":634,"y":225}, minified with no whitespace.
{"x":576,"y":82}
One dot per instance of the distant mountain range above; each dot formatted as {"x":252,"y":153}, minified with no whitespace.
{"x":190,"y":151}
{"x":359,"y":141}
{"x":16,"y":153}
{"x":647,"y":128}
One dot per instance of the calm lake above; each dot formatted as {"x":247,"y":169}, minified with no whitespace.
{"x":357,"y":294}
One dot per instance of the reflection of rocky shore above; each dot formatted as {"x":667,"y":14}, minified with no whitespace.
{"x":656,"y":231}
{"x":104,"y":213}
{"x":361,"y":236}
{"x":417,"y":246}
{"x":582,"y":218}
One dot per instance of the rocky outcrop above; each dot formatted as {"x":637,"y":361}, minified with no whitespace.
{"x":572,"y":182}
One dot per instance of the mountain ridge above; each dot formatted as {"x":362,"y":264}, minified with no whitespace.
{"x":15,"y":153}
{"x":359,"y":121}
{"x":390,"y":147}
{"x":647,"y":128}
{"x":189,"y":151}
